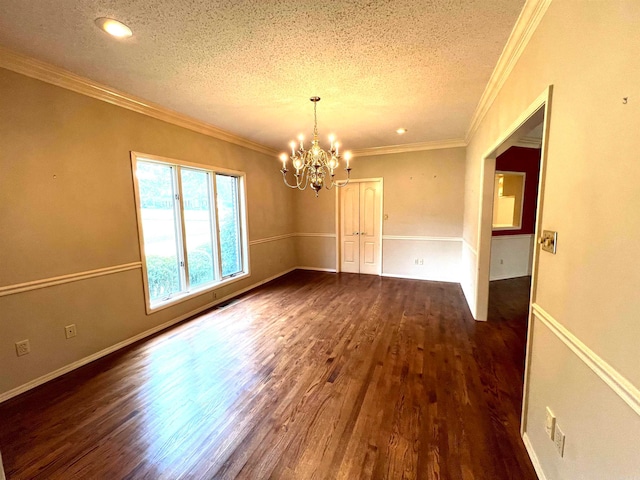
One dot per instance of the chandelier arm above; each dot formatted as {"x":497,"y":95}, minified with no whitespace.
{"x":287,"y":183}
{"x":339,"y":184}
{"x":304,"y":178}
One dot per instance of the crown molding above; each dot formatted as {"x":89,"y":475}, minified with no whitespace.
{"x":525,"y":26}
{"x":60,"y":77}
{"x":410,"y":147}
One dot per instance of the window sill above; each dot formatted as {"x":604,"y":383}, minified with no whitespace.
{"x":183,"y":297}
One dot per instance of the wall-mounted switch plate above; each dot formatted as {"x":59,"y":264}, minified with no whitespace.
{"x":23,"y":347}
{"x":70,"y":330}
{"x":558,"y":439}
{"x":550,"y":423}
{"x":548,"y":241}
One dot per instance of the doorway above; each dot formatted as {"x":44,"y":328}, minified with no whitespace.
{"x":537,"y":114}
{"x":514,"y":209}
{"x":359,"y":217}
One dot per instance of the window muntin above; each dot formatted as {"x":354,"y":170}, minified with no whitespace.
{"x":180,"y":236}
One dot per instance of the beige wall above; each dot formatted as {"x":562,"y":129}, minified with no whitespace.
{"x":67,"y":206}
{"x":423,"y":197}
{"x":588,"y":51}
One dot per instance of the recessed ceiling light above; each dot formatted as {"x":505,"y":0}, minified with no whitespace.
{"x":114,"y":27}
{"x":401,"y":131}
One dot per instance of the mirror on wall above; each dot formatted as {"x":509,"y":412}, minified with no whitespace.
{"x":508,"y":199}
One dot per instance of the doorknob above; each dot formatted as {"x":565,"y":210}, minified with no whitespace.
{"x":356,"y":233}
{"x":363,"y":233}
{"x":548,"y":241}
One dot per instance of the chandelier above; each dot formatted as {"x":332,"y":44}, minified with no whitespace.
{"x":314,"y":165}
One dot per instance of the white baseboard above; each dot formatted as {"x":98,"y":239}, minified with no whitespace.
{"x":316,"y":269}
{"x":534,"y":458}
{"x":83,"y":361}
{"x":413,"y":277}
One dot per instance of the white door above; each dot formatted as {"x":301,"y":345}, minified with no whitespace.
{"x":360,"y":222}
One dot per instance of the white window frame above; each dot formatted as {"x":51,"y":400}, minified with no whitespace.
{"x":184,"y":272}
{"x":524,"y":181}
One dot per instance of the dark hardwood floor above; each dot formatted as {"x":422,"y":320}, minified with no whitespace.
{"x":312,"y":376}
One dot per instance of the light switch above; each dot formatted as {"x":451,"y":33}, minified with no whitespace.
{"x":550,"y":423}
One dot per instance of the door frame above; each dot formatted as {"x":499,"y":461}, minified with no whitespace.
{"x":338,"y":231}
{"x":542,"y":104}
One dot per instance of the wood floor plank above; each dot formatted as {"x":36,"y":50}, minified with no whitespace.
{"x":312,"y":376}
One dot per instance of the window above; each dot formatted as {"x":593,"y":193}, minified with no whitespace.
{"x":192,"y":227}
{"x":508,"y":200}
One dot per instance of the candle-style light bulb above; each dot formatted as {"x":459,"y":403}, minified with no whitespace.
{"x":301,"y":138}
{"x":283,"y":157}
{"x":332,"y":139}
{"x":293,"y":147}
{"x":347,"y":157}
{"x":337,"y":144}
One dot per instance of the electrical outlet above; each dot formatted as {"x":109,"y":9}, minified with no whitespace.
{"x":215,"y":295}
{"x":23,"y":347}
{"x":421,"y":262}
{"x":70,"y":330}
{"x":558,"y":439}
{"x":550,"y":423}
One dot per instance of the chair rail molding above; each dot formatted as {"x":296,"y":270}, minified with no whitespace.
{"x":284,"y":236}
{"x":421,"y":238}
{"x":618,"y":383}
{"x":72,"y":277}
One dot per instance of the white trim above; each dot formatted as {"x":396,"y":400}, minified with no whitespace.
{"x":511,"y":237}
{"x":618,"y":383}
{"x":317,"y":269}
{"x":291,"y":235}
{"x":470,"y":247}
{"x":324,"y":235}
{"x":244,"y":226}
{"x":83,"y":361}
{"x":72,"y":277}
{"x":410,"y":147}
{"x":534,"y":458}
{"x":271,"y":239}
{"x":525,"y":26}
{"x":524,"y":183}
{"x":63,"y":78}
{"x":420,"y":238}
{"x":415,"y":277}
{"x":540,"y":106}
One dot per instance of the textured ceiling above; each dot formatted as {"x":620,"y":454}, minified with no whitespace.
{"x":249,"y":67}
